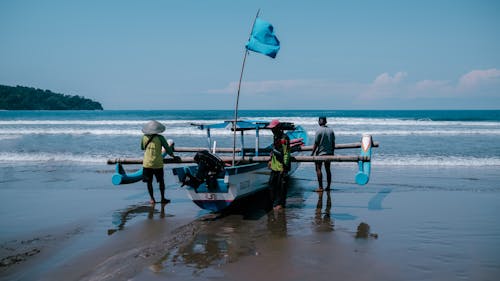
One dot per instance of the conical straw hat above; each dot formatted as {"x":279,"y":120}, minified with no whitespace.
{"x":153,"y":127}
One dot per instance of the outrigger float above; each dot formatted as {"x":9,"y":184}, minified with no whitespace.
{"x":213,"y":183}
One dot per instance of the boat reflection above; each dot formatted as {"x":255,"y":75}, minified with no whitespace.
{"x":222,"y":241}
{"x":218,"y":242}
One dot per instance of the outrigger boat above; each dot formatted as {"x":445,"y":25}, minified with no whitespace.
{"x":214,"y":184}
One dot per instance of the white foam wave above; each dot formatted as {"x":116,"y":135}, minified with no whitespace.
{"x":7,"y":133}
{"x":304,"y":121}
{"x":380,"y":121}
{"x":421,"y":132}
{"x":9,"y":137}
{"x":192,"y":131}
{"x":43,"y":157}
{"x":139,"y":123}
{"x":427,"y":161}
{"x":449,"y":161}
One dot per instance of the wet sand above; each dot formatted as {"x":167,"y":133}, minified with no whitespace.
{"x":424,"y":224}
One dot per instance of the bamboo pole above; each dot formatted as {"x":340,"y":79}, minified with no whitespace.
{"x":302,"y":148}
{"x":250,"y":159}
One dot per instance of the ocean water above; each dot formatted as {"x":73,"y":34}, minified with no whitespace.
{"x":406,"y":138}
{"x":433,"y":198}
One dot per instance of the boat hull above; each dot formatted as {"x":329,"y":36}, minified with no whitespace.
{"x":238,"y":182}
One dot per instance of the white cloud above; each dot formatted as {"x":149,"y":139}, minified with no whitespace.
{"x":426,"y":85}
{"x":384,"y":79}
{"x":478,"y":78}
{"x":267,"y":86}
{"x":383,"y":86}
{"x":385,"y":90}
{"x":430,"y":89}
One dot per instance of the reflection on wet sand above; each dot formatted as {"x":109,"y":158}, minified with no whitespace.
{"x":364,"y":231}
{"x":323,"y":220}
{"x":276,"y":223}
{"x":226,"y":238}
{"x":218,"y":242}
{"x":120,"y":218}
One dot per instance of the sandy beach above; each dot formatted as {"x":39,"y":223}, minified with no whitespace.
{"x":82,"y":82}
{"x":424,"y":224}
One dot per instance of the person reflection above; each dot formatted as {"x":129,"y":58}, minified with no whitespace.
{"x":323,"y":220}
{"x":152,"y":211}
{"x":276,"y":222}
{"x":120,"y":218}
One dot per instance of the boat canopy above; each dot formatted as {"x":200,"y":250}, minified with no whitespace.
{"x":243,"y":125}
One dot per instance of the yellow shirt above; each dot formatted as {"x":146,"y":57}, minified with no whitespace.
{"x":152,"y":153}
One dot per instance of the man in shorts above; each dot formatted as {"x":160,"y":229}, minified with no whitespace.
{"x":324,"y":144}
{"x":152,"y":143}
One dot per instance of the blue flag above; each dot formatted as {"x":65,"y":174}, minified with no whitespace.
{"x":262,"y":40}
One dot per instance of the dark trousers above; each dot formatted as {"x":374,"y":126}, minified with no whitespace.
{"x":278,"y":188}
{"x":148,"y":174}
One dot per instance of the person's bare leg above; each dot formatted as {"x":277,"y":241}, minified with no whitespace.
{"x":150,"y":190}
{"x":162,"y":192}
{"x":319,"y":175}
{"x":328,"y":175}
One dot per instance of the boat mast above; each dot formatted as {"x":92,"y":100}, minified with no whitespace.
{"x":238,"y":96}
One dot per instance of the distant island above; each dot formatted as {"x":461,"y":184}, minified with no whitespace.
{"x":25,"y":98}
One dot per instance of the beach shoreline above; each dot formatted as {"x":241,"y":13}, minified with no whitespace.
{"x":416,"y":237}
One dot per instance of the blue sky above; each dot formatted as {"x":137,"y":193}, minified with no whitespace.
{"x":188,"y":54}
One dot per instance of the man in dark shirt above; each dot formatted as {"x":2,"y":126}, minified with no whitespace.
{"x":324,"y":144}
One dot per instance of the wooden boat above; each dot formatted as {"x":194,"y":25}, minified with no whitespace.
{"x":222,"y":184}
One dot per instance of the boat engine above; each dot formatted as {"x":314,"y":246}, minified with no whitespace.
{"x":210,"y":166}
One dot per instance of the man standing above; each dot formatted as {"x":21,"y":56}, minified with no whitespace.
{"x":152,"y":143}
{"x":324,"y":144}
{"x":279,"y":164}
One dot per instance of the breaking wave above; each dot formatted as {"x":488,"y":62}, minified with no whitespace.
{"x":442,"y":161}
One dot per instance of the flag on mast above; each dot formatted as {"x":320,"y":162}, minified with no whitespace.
{"x":263,"y":40}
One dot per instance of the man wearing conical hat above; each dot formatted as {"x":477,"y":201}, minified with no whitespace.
{"x":152,"y":143}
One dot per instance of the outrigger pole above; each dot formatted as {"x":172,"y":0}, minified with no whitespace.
{"x":363,"y":159}
{"x":335,"y":158}
{"x":254,"y":159}
{"x":238,"y":95}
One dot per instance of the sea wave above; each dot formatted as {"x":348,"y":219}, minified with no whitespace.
{"x":9,"y":137}
{"x":304,"y":121}
{"x":353,"y":121}
{"x":438,"y":161}
{"x":422,"y":132}
{"x":44,"y":157}
{"x":6,"y":133}
{"x":441,"y":161}
{"x":140,"y":123}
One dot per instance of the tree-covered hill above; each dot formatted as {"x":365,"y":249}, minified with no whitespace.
{"x":25,"y":98}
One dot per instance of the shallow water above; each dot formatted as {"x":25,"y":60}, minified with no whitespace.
{"x":427,"y":230}
{"x":436,"y":224}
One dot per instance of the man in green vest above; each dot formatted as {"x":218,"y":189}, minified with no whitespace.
{"x":152,"y":143}
{"x":279,"y":164}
